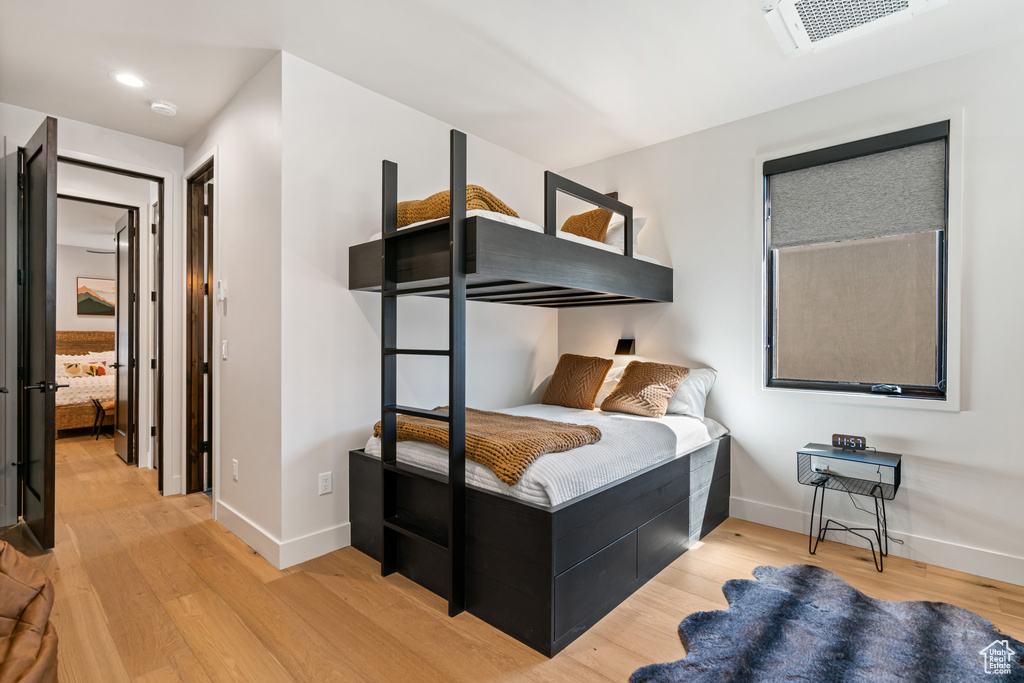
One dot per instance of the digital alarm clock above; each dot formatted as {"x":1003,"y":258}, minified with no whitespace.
{"x":857,"y":443}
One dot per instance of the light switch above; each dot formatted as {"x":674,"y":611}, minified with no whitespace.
{"x":224,"y":349}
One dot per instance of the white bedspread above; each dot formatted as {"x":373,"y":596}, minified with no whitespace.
{"x":84,"y":389}
{"x":629,"y":443}
{"x":533,"y":227}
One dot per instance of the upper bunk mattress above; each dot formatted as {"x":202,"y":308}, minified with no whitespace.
{"x":629,"y":443}
{"x":533,"y":227}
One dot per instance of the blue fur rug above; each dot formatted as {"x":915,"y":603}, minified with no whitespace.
{"x":802,"y":623}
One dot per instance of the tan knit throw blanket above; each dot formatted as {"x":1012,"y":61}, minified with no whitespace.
{"x":437,"y":206}
{"x":507,"y":444}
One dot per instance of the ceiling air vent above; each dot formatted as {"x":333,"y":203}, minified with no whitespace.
{"x":805,"y":25}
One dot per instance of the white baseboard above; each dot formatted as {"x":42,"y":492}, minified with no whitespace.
{"x":283,"y":554}
{"x":312,"y":545}
{"x":987,"y":563}
{"x":173,"y":487}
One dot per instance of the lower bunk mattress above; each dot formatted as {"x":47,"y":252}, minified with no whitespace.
{"x":629,"y":443}
{"x":545,"y":571}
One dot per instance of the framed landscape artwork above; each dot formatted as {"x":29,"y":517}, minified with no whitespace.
{"x":96,"y":296}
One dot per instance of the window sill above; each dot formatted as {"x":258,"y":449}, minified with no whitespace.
{"x":951,"y":404}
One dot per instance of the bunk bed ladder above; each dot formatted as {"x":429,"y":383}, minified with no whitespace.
{"x":393,"y":524}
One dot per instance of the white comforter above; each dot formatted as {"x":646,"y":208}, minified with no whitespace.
{"x":629,"y":443}
{"x":84,"y":389}
{"x":533,"y":227}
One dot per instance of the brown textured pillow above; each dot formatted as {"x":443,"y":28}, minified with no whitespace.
{"x":437,"y":205}
{"x":576,"y":381}
{"x":593,"y":224}
{"x":645,"y":389}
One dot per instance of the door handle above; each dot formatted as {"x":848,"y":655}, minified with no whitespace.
{"x":54,"y":387}
{"x":41,"y":387}
{"x":3,"y":390}
{"x":115,"y":365}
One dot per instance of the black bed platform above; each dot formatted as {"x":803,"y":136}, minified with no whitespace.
{"x":546,"y":575}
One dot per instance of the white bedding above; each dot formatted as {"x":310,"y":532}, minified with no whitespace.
{"x":629,"y":443}
{"x":84,"y":389}
{"x":528,"y":225}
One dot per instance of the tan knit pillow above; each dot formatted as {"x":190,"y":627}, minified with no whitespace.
{"x":437,"y":205}
{"x":645,"y":389}
{"x":593,"y":224}
{"x":576,"y":381}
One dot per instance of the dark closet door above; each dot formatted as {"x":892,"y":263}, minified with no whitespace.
{"x":38,"y":225}
{"x":124,"y":418}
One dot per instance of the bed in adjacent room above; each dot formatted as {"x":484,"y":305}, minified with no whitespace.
{"x":85,"y":363}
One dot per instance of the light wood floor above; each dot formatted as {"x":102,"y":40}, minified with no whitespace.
{"x":152,"y":589}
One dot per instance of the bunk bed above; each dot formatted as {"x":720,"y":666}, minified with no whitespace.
{"x":542,"y":574}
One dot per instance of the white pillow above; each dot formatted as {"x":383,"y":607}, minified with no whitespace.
{"x":692,"y":393}
{"x":616,"y":235}
{"x":610,"y":382}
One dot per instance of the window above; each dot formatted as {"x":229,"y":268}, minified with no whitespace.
{"x":856,"y":249}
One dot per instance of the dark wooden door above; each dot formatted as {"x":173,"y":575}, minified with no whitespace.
{"x":38,"y":223}
{"x":199,"y":333}
{"x":124,"y":413}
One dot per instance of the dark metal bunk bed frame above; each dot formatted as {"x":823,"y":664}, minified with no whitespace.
{"x":543,"y":575}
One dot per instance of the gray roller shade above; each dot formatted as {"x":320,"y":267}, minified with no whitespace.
{"x":898,"y":192}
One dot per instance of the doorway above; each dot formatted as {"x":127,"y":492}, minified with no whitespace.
{"x":199,"y":331}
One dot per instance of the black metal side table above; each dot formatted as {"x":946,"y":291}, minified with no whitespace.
{"x":822,"y":478}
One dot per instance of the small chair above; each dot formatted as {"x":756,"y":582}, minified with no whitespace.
{"x":104,"y":410}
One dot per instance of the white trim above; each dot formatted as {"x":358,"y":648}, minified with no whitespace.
{"x":287,"y":553}
{"x":954,"y":282}
{"x":303,"y":548}
{"x":979,"y":561}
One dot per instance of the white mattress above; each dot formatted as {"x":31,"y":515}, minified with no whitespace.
{"x":84,"y":389}
{"x":629,"y":443}
{"x":527,"y":225}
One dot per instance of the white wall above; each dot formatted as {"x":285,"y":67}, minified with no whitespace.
{"x":92,"y":143}
{"x":246,"y":139}
{"x":960,"y":505}
{"x":335,"y":135}
{"x":73,"y":263}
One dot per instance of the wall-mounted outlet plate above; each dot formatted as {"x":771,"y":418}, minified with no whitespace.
{"x":325,"y":483}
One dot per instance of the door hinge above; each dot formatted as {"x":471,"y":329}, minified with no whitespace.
{"x":21,"y":181}
{"x":21,"y":373}
{"x":206,"y":209}
{"x":152,"y":296}
{"x":133,"y":297}
{"x":133,"y":363}
{"x":21,"y":276}
{"x":206,"y":368}
{"x":152,"y":227}
{"x":152,"y":363}
{"x":135,"y":232}
{"x":206,"y":288}
{"x":152,"y":430}
{"x":204,"y":447}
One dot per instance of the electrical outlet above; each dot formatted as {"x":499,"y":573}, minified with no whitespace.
{"x":234,"y":469}
{"x":326,"y":483}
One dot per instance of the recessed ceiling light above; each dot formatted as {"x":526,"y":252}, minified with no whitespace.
{"x":131,"y":80}
{"x":163,"y":107}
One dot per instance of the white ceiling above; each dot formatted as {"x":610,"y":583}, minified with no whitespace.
{"x":86,"y":225}
{"x":560,"y":81}
{"x":89,"y":225}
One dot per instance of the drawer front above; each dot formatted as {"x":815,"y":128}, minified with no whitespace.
{"x":663,"y":539}
{"x":610,"y":573}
